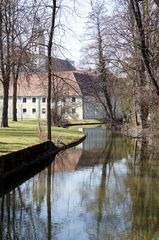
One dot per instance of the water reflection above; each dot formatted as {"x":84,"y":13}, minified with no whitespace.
{"x":143,"y":186}
{"x":67,"y":161}
{"x":49,"y":224}
{"x":108,"y":189}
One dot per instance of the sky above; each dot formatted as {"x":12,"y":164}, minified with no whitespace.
{"x":76,"y":21}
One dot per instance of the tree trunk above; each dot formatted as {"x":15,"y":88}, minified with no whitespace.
{"x":141,"y":108}
{"x":15,"y":101}
{"x":103,"y":75}
{"x":144,"y":108}
{"x":143,"y":46}
{"x":14,"y":95}
{"x":49,"y":137}
{"x":5,"y":23}
{"x":50,"y":71}
{"x":4,"y":122}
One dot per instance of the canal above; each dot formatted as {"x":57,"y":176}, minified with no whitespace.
{"x":106,"y":188}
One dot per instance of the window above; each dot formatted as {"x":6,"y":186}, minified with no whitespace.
{"x":33,"y":110}
{"x":73,"y":110}
{"x":73,"y":99}
{"x":34,"y":99}
{"x":24,"y":99}
{"x":24,"y":110}
{"x":43,"y":110}
{"x":43,"y":99}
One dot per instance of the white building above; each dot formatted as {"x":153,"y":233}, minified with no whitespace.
{"x":70,"y":94}
{"x":71,"y":91}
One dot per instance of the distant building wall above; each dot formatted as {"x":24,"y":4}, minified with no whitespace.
{"x":92,"y":109}
{"x":74,"y":107}
{"x":31,"y":107}
{"x":95,"y":110}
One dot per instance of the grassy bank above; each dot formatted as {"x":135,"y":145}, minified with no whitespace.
{"x":82,"y":121}
{"x":26,"y":133}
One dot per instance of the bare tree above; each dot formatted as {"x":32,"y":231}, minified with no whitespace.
{"x":145,"y":51}
{"x":96,"y":53}
{"x":104,"y":52}
{"x":60,"y":89}
{"x":135,"y":35}
{"x":15,"y":37}
{"x":50,"y":44}
{"x":5,"y":54}
{"x":19,"y":49}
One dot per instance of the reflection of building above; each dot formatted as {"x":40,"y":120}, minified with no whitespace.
{"x":102,"y":145}
{"x":67,"y":161}
{"x":91,"y":151}
{"x":96,"y":138}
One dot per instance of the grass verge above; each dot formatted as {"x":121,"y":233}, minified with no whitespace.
{"x":25,"y":133}
{"x":82,"y":121}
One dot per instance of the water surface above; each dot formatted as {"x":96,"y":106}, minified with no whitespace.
{"x":104,"y":189}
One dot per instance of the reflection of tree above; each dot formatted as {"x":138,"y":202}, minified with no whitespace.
{"x":102,"y":186}
{"x":1,"y":218}
{"x":13,"y":213}
{"x":49,"y":227}
{"x":118,"y":197}
{"x":143,"y":187}
{"x":95,"y":147}
{"x":39,"y":189}
{"x":8,"y":216}
{"x":28,"y":208}
{"x":105,"y":198}
{"x":19,"y":215}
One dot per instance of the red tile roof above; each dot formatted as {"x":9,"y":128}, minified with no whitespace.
{"x":35,"y":84}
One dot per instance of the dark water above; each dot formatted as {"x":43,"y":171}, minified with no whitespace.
{"x":106,"y":189}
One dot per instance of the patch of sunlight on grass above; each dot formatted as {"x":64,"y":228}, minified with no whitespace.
{"x":25,"y":133}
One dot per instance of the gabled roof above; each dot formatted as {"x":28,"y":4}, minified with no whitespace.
{"x":60,"y":65}
{"x":67,"y":83}
{"x":85,"y":83}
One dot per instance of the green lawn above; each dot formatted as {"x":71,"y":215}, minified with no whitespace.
{"x":26,"y":133}
{"x":85,"y":121}
{"x":74,"y":121}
